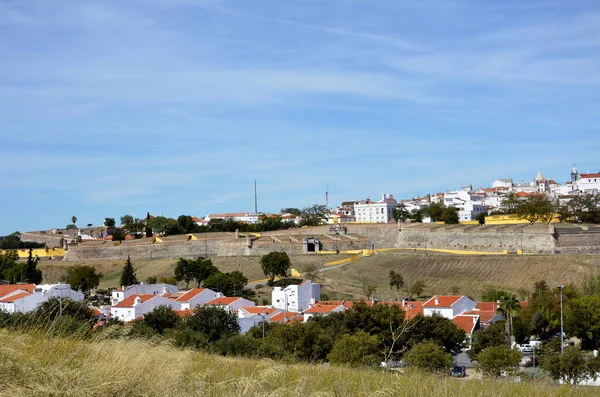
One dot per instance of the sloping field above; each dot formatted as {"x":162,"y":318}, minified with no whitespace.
{"x":53,"y":271}
{"x":38,"y":365}
{"x":468,"y":275}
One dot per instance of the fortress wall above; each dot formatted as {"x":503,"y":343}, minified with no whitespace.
{"x":578,"y":240}
{"x":488,"y":242}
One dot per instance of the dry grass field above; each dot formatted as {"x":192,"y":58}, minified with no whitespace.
{"x":40,"y":365}
{"x":468,"y":275}
{"x":443,"y":274}
{"x":54,"y":270}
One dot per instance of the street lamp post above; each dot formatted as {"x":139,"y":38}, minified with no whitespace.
{"x":263,"y":324}
{"x":562,"y":342}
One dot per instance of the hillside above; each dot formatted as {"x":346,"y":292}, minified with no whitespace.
{"x":468,"y":275}
{"x":40,"y":365}
{"x":250,"y":265}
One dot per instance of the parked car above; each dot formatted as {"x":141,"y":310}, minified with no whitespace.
{"x":459,"y":371}
{"x":525,"y":348}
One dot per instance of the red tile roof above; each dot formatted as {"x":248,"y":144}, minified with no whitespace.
{"x":15,"y":297}
{"x":320,"y":308}
{"x":467,"y":323}
{"x":9,"y":288}
{"x":487,"y":306}
{"x":290,"y":316}
{"x":444,"y":301}
{"x":224,"y":300}
{"x":346,"y":304}
{"x":588,"y":176}
{"x":190,"y":294}
{"x":260,"y":310}
{"x":130,"y":300}
{"x":184,"y":313}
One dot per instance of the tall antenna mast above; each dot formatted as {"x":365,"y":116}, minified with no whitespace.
{"x":255,"y":199}
{"x":327,"y":197}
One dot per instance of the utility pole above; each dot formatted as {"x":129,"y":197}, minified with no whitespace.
{"x":562,"y":342}
{"x":255,"y":199}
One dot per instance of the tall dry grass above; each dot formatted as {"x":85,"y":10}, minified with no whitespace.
{"x":38,"y":364}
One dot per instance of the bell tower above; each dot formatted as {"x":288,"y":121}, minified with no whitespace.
{"x":574,"y":174}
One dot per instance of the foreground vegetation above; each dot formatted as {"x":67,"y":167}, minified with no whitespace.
{"x":38,"y":364}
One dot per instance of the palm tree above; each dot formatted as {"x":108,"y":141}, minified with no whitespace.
{"x":507,"y":304}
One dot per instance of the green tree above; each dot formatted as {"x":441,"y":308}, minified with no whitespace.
{"x":571,"y":366}
{"x":228,"y":283}
{"x":416,"y":289}
{"x":83,"y":278}
{"x":186,"y":224}
{"x":54,"y":307}
{"x":275,"y":264}
{"x":590,"y":285}
{"x":291,"y":210}
{"x":416,"y":215}
{"x":214,"y":322}
{"x":495,"y":361}
{"x":511,"y":203}
{"x":494,"y":335}
{"x":161,"y":318}
{"x":435,"y":328}
{"x":314,"y":215}
{"x":185,"y":270}
{"x":450,"y":215}
{"x":356,"y":350}
{"x":74,"y":220}
{"x":109,"y":222}
{"x":507,"y":305}
{"x":434,"y":211}
{"x":71,"y":226}
{"x":481,"y":217}
{"x":128,"y":274}
{"x":32,"y":273}
{"x":164,"y":226}
{"x":148,"y":228}
{"x":430,"y":357}
{"x":536,"y":208}
{"x":400,"y":213}
{"x":396,"y":281}
{"x":582,"y":319}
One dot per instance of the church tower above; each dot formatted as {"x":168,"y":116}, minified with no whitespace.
{"x":574,"y":174}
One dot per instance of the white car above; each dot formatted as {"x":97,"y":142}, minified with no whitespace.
{"x":525,"y":348}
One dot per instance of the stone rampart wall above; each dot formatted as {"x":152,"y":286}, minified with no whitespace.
{"x":488,"y":242}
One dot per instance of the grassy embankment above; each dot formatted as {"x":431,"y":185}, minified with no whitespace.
{"x":41,"y":365}
{"x":443,"y":274}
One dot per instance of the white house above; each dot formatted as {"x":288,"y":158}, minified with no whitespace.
{"x":468,"y":203}
{"x":248,"y":317}
{"x":243,"y":217}
{"x":135,"y":306}
{"x":23,"y":298}
{"x":368,"y":211}
{"x":448,"y":306}
{"x":589,"y":183}
{"x":296,"y":297}
{"x":197,"y":297}
{"x":142,"y":288}
{"x":325,"y":308}
{"x":503,"y":183}
{"x":231,"y":304}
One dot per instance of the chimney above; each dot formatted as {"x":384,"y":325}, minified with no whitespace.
{"x":475,"y":319}
{"x":403,"y":302}
{"x":165,"y":290}
{"x":436,"y":301}
{"x":137,"y":301}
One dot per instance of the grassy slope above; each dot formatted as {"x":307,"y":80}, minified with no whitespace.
{"x":249,"y":265}
{"x":469,"y":274}
{"x":38,"y":365}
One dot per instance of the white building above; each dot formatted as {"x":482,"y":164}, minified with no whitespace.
{"x":503,"y":183}
{"x":368,"y":211}
{"x":468,"y":203}
{"x":297,"y":297}
{"x":197,"y":297}
{"x":24,"y":298}
{"x":142,"y":288}
{"x":135,"y":306}
{"x":231,"y":304}
{"x":589,"y":183}
{"x":448,"y":306}
{"x":243,"y":217}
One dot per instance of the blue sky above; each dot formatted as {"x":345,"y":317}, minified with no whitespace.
{"x":117,"y":107}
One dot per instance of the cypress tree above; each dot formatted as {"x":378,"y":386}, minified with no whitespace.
{"x":128,"y":275}
{"x":34,"y":275}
